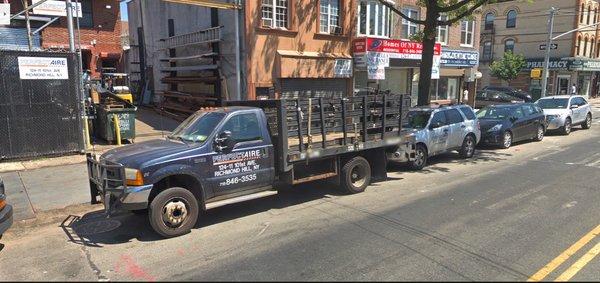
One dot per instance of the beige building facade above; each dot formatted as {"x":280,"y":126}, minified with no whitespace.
{"x":521,"y":27}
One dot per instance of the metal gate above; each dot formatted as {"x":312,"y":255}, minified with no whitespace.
{"x":39,"y":116}
{"x":298,"y":88}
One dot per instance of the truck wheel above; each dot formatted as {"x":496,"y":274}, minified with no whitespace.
{"x":173,"y":212}
{"x":356,"y":175}
{"x":467,"y":150}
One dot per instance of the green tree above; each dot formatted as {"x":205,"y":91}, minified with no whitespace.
{"x":455,"y":10}
{"x":508,"y":68}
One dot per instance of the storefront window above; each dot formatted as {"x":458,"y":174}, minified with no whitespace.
{"x":445,"y":88}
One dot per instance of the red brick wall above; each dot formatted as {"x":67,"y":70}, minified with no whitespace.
{"x":107,"y":37}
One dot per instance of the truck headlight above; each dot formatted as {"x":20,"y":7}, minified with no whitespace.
{"x":133,"y":177}
{"x":495,"y":128}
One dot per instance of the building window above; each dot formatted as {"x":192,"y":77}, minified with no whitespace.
{"x":330,"y":17}
{"x":589,"y":13}
{"x":585,"y":44}
{"x":578,"y":47}
{"x":467,"y":32}
{"x":409,"y":28}
{"x":489,"y":21}
{"x":442,"y":35}
{"x":274,"y":13}
{"x":487,"y":50}
{"x":582,"y":11}
{"x":374,"y":19}
{"x":511,"y":19}
{"x":509,"y":45}
{"x":87,"y":17}
{"x":593,"y":43}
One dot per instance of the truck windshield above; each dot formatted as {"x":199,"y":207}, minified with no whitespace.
{"x":197,"y":127}
{"x":417,"y":119}
{"x":553,"y":103}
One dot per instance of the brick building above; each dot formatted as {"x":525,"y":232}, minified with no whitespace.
{"x":100,"y":33}
{"x":457,"y":50}
{"x":521,"y":27}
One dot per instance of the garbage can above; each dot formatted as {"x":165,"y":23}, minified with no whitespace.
{"x":105,"y":125}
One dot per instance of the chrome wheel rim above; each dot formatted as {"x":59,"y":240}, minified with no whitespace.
{"x":540,"y":134}
{"x":588,"y":121}
{"x":419,"y":157}
{"x":470,"y":147}
{"x":507,"y":139}
{"x":358,"y":176}
{"x":175,"y":212}
{"x":568,"y":126}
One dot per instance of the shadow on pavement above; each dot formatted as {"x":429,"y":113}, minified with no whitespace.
{"x":94,"y":229}
{"x":444,"y":162}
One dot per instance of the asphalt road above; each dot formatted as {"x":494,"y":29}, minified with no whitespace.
{"x":527,"y":212}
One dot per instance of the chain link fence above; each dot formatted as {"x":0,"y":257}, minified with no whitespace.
{"x":38,"y":117}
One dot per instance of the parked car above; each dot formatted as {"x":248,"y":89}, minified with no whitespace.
{"x":6,"y":211}
{"x":517,"y":93}
{"x":563,"y":112}
{"x":502,"y":125}
{"x":439,"y":130}
{"x":489,"y":97}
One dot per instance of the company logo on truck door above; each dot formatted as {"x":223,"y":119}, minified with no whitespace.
{"x":237,"y":157}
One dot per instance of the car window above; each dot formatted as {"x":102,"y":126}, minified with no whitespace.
{"x":583,"y":101}
{"x":417,"y":119}
{"x":468,"y":113}
{"x":518,"y":112}
{"x":243,"y":127}
{"x":494,"y":113}
{"x":538,"y":109}
{"x":579,"y":101}
{"x":453,"y":116}
{"x":198,"y":127}
{"x":481,"y":95}
{"x":439,"y":117}
{"x":528,"y":110}
{"x":553,"y":103}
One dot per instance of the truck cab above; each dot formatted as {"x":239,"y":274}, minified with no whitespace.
{"x":224,"y":151}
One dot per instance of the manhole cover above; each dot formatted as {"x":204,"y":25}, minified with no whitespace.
{"x":97,"y":227}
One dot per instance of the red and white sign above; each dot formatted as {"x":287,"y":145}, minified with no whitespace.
{"x":394,"y":48}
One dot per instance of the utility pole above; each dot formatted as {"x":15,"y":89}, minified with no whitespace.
{"x":70,"y":26}
{"x":28,"y":24}
{"x":547,"y":56}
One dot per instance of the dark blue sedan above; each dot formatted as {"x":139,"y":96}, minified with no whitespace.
{"x":503,"y":125}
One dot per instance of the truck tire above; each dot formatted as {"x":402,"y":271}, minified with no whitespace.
{"x":355,"y":175}
{"x":173,"y":212}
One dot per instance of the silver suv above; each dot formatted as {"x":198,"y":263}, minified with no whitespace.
{"x":564,"y":111}
{"x":439,"y":130}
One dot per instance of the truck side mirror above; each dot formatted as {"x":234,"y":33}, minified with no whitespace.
{"x":224,"y":141}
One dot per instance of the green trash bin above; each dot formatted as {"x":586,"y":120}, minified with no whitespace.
{"x":105,"y":127}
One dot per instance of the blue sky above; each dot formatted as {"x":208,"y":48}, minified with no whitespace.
{"x":124,"y":11}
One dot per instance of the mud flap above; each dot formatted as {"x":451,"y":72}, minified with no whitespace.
{"x":378,"y":160}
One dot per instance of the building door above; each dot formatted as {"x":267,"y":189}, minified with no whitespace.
{"x":562,"y":86}
{"x":303,"y":88}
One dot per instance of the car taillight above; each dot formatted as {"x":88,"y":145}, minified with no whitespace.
{"x":2,"y":203}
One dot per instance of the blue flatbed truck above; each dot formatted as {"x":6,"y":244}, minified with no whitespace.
{"x":247,"y":150}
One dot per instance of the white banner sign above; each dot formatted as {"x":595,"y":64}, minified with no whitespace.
{"x":43,"y":68}
{"x":378,"y":59}
{"x":435,"y":68}
{"x":55,"y":8}
{"x":343,"y":68}
{"x":4,"y":14}
{"x":376,"y":73}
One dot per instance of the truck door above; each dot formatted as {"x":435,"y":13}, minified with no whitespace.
{"x":249,"y":163}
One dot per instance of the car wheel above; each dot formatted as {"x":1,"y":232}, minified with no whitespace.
{"x":540,"y":133}
{"x":420,"y":158}
{"x":588,"y":122}
{"x":173,"y":212}
{"x":467,"y":150}
{"x":356,"y":175}
{"x":566,"y":129}
{"x":507,"y":139}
